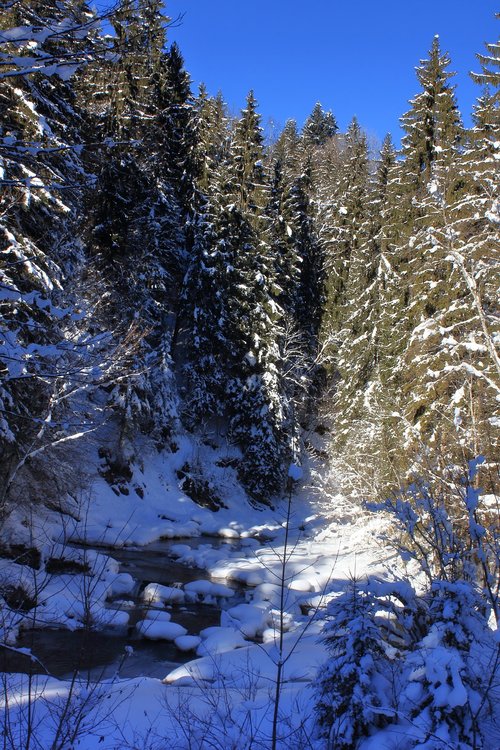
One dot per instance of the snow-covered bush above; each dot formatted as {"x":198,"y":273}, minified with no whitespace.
{"x":450,"y":528}
{"x":446,"y":682}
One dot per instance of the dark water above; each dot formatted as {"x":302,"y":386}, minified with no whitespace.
{"x":101,"y":654}
{"x":105,"y":654}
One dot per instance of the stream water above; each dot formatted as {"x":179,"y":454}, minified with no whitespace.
{"x":105,"y":654}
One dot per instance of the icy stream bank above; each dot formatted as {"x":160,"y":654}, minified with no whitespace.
{"x":139,"y":644}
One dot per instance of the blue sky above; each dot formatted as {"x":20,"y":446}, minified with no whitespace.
{"x":357,"y":57}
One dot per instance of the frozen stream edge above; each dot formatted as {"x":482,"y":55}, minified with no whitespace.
{"x":230,"y":686}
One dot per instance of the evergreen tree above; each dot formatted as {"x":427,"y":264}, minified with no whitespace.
{"x":418,"y":286}
{"x":301,"y":268}
{"x":320,"y":147}
{"x":343,"y":224}
{"x":432,"y":126}
{"x":231,"y":311}
{"x":457,"y":372}
{"x":357,"y":407}
{"x":443,"y":694}
{"x":280,"y":235}
{"x":487,"y":111}
{"x":212,"y":139}
{"x":205,"y":322}
{"x":126,"y":80}
{"x":287,"y":151}
{"x":319,"y":127}
{"x":254,"y":384}
{"x":298,"y":272}
{"x":42,"y":346}
{"x":203,"y":317}
{"x":135,"y":234}
{"x":174,"y":132}
{"x":353,"y":693}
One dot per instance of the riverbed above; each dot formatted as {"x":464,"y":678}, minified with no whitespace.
{"x":106,"y":653}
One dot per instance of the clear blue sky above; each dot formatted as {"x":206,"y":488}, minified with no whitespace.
{"x":357,"y":57}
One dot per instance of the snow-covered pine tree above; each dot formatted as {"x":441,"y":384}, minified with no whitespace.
{"x":319,"y":127}
{"x":280,"y":232}
{"x":212,"y":139}
{"x":204,"y":333}
{"x":359,"y":413}
{"x":230,"y":316}
{"x":203,"y":321}
{"x":300,"y":267}
{"x":135,"y":233}
{"x":286,"y":149}
{"x":470,"y":238}
{"x":450,"y":369}
{"x":432,"y":133}
{"x":344,"y":215}
{"x":310,"y":300}
{"x":300,"y":274}
{"x":254,"y":387}
{"x":445,"y":690}
{"x":44,"y":351}
{"x":321,"y":146}
{"x":418,"y":285}
{"x":353,"y":694}
{"x":176,"y":126}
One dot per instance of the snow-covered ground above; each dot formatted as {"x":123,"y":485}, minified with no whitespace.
{"x":226,"y":696}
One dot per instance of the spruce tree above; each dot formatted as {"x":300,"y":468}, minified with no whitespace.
{"x":358,"y":411}
{"x":203,"y":319}
{"x":254,"y":382}
{"x":319,"y":127}
{"x":230,"y":310}
{"x":487,"y":111}
{"x":212,"y":139}
{"x":174,"y":132}
{"x":42,"y":345}
{"x":418,"y":285}
{"x":343,"y":224}
{"x":458,"y":362}
{"x":135,"y":228}
{"x":353,"y":694}
{"x":286,"y":150}
{"x":298,"y":272}
{"x":321,"y":146}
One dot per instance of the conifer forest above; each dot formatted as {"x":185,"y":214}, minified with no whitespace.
{"x":283,"y":350}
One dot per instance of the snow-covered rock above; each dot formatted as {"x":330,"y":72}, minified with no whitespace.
{"x":249,"y":619}
{"x":206,"y":591}
{"x":301,"y":584}
{"x":122,"y":583}
{"x":158,"y":615}
{"x":155,"y":592}
{"x":158,"y":630}
{"x":217,"y":640}
{"x":187,"y":642}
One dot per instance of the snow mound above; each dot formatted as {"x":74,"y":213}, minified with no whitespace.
{"x":179,"y":550}
{"x":158,"y":630}
{"x":248,"y":572}
{"x":158,"y":615}
{"x":218,"y":640}
{"x":301,"y":584}
{"x":206,"y":591}
{"x":249,"y":619}
{"x":155,"y":592}
{"x":302,"y":661}
{"x":123,"y":583}
{"x":187,"y":642}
